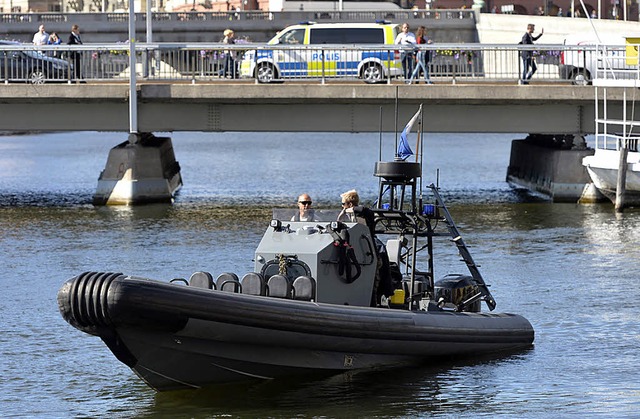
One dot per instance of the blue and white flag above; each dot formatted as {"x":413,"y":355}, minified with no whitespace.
{"x":404,"y":150}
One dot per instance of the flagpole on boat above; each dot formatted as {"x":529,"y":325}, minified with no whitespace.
{"x":396,"y":122}
{"x":379,"y":200}
{"x":380,"y":140}
{"x":421,"y":148}
{"x":133,"y":97}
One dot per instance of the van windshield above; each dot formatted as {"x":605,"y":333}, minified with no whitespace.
{"x":294,"y":36}
{"x":347,"y":36}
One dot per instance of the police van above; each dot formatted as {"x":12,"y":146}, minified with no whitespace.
{"x":314,"y":50}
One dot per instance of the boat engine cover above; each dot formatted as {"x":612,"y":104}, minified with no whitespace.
{"x":456,"y":288}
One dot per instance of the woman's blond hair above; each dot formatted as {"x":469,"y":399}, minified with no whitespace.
{"x":351,"y":197}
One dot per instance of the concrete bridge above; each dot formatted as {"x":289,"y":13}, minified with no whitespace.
{"x":143,"y":168}
{"x":297,"y":106}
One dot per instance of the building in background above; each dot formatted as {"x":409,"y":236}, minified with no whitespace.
{"x":605,"y":9}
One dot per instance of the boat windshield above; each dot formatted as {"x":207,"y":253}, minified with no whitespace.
{"x":289,"y":214}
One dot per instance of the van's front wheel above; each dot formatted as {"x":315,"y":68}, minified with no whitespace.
{"x":372,"y":73}
{"x":265,"y":73}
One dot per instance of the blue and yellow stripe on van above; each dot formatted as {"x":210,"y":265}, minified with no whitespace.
{"x":321,"y":63}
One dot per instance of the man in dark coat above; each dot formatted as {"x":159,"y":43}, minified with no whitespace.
{"x":527,"y":56}
{"x":74,"y":39}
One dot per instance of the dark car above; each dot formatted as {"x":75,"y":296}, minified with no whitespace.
{"x":31,"y":66}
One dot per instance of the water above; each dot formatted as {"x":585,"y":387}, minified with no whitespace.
{"x":572,"y":270}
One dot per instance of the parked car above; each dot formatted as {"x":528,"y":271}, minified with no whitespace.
{"x":580,"y":63}
{"x":31,"y":65}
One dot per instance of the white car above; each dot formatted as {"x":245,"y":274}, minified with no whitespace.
{"x":580,"y":65}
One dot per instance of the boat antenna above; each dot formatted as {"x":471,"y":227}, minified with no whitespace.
{"x":421,"y":149}
{"x":377,"y":203}
{"x":437,"y":178}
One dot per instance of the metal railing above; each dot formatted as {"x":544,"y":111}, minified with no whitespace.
{"x":617,"y":66}
{"x":216,"y":62}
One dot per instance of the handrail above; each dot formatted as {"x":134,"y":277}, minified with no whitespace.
{"x":205,"y":62}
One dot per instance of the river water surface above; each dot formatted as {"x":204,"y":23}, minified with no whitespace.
{"x":572,"y":270}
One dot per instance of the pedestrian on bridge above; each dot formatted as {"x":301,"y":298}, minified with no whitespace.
{"x":528,"y":62}
{"x":229,"y":66}
{"x":74,"y":39}
{"x":406,"y":39}
{"x":423,"y":58}
{"x":41,"y":37}
{"x":54,"y":39}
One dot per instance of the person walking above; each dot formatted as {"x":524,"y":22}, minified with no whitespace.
{"x":422,"y":58}
{"x":229,"y":66}
{"x":54,"y":40}
{"x":528,"y":62}
{"x":406,"y":39}
{"x":76,"y":56}
{"x":41,"y":37}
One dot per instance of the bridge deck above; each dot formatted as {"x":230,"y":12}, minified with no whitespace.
{"x":339,"y":107}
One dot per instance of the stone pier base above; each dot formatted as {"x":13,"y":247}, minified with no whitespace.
{"x":139,"y":171}
{"x":550,"y":170}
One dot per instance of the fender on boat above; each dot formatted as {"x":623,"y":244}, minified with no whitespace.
{"x":92,"y":302}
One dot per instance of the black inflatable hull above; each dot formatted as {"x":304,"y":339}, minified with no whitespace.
{"x":176,"y":336}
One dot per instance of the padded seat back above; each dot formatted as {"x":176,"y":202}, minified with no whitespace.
{"x":279,"y":286}
{"x":304,"y":288}
{"x":202,"y":280}
{"x":253,"y":283}
{"x":228,"y":281}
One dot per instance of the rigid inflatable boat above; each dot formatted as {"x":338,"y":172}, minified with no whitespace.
{"x":326,"y":296}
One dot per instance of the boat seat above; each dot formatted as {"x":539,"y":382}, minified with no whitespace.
{"x":253,"y":283}
{"x":304,"y":288}
{"x":394,"y":247}
{"x":228,"y":282}
{"x":279,"y":287}
{"x":202,"y":279}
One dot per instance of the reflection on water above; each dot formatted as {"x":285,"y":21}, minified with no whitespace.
{"x":572,"y":270}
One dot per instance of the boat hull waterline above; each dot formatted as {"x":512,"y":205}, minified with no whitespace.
{"x":603,"y":170}
{"x":176,"y":336}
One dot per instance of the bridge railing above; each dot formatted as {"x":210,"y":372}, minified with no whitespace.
{"x":216,"y":62}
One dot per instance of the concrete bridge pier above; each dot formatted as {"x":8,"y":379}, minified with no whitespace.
{"x":141,"y":170}
{"x":552,"y":165}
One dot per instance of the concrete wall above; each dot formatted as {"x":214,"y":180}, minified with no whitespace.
{"x":508,"y":29}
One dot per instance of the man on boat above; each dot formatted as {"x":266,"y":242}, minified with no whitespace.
{"x":305,"y":212}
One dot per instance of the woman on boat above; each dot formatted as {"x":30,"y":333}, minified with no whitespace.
{"x":350,"y":199}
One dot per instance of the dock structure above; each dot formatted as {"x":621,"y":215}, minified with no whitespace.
{"x":615,"y":167}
